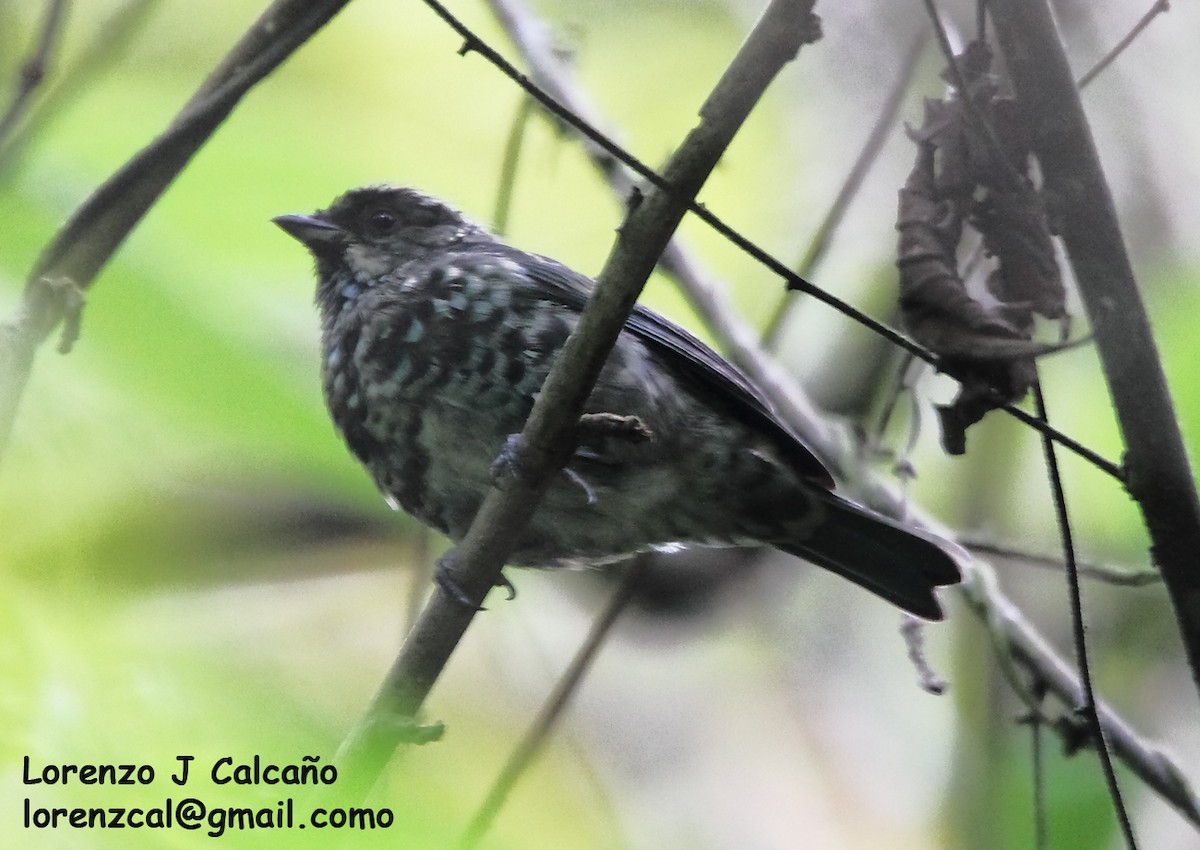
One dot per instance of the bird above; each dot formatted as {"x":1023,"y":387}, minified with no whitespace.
{"x":436,"y":337}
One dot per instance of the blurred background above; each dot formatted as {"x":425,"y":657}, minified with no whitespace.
{"x":194,"y":564}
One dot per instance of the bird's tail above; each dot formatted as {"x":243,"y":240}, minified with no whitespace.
{"x":900,"y":564}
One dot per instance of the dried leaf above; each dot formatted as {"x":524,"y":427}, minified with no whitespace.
{"x":964,"y":178}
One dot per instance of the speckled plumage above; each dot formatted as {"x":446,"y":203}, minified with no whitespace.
{"x":435,"y":340}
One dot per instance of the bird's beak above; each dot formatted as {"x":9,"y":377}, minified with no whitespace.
{"x":314,"y":232}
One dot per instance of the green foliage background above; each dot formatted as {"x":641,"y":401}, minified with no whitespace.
{"x":193,"y":564}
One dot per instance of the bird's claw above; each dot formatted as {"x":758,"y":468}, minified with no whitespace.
{"x":508,"y":465}
{"x":579,"y":481}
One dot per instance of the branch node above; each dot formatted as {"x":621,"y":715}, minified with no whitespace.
{"x":52,"y":299}
{"x":32,"y":73}
{"x":410,"y":731}
{"x":1075,"y":731}
{"x":470,"y":45}
{"x":810,"y":29}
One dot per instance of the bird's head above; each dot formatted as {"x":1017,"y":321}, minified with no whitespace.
{"x":370,"y":233}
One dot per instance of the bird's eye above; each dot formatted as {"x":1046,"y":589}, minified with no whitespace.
{"x":381,"y":222}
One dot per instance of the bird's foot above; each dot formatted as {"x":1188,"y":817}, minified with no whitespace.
{"x":446,"y":578}
{"x":510,"y":466}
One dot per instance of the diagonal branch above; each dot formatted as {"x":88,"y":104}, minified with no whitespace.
{"x":1019,"y":647}
{"x":1159,"y":7}
{"x":81,"y":248}
{"x":545,"y":442}
{"x":1158,"y":472}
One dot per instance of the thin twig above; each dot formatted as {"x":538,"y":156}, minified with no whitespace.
{"x":1158,"y":472}
{"x":554,"y":705}
{"x":1088,"y":707}
{"x":86,"y":242}
{"x":1109,"y":575}
{"x":91,"y":66}
{"x":897,"y":389}
{"x":1013,"y":637}
{"x":508,"y":166}
{"x":1159,"y":7}
{"x":823,"y":238}
{"x":912,"y":630}
{"x":1036,"y":722}
{"x":1068,"y":442}
{"x":545,"y":443}
{"x":33,"y":71}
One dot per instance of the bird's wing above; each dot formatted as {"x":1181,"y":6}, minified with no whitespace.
{"x":705,"y":371}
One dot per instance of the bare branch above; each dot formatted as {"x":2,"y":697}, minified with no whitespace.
{"x":554,"y":88}
{"x":1020,"y":649}
{"x":108,"y":41}
{"x":1087,"y":705}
